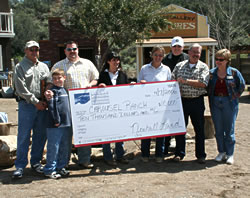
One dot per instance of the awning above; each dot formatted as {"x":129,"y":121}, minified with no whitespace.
{"x":166,"y":42}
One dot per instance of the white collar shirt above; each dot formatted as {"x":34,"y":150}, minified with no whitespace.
{"x":151,"y":74}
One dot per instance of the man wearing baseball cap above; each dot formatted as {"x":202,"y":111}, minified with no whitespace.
{"x":171,"y":59}
{"x":31,"y":109}
{"x":176,"y":55}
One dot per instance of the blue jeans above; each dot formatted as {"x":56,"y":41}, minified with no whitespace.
{"x":224,"y":117}
{"x":57,"y":149}
{"x":193,"y":107}
{"x":145,"y":147}
{"x":119,"y":151}
{"x":29,"y":118}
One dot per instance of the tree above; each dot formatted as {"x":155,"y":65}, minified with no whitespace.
{"x":30,"y":22}
{"x":120,"y":22}
{"x":228,"y":19}
{"x":228,"y":23}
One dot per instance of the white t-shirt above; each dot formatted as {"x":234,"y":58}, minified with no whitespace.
{"x":113,"y":77}
{"x":152,"y":74}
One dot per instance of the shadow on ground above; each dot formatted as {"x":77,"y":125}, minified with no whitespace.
{"x":135,"y":166}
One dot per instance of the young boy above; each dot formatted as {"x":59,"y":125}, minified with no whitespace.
{"x":58,"y":130}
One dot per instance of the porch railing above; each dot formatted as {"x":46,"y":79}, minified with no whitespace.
{"x":6,"y":24}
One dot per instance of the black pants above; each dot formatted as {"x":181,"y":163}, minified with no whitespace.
{"x":193,"y":107}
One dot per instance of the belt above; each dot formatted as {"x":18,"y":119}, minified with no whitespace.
{"x":18,"y":98}
{"x":190,"y":98}
{"x":221,"y":94}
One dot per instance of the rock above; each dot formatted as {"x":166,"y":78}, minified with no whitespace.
{"x":8,"y":146}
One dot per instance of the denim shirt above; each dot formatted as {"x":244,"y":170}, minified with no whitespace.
{"x":235,"y":84}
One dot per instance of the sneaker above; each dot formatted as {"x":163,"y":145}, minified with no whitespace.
{"x":87,"y":165}
{"x":177,"y":158}
{"x":18,"y":173}
{"x":201,"y":160}
{"x":145,"y":159}
{"x":54,"y":175}
{"x":123,"y":161}
{"x":230,"y":160}
{"x":158,"y":160}
{"x":111,"y":162}
{"x":37,"y":167}
{"x":220,"y":157}
{"x":63,"y":172}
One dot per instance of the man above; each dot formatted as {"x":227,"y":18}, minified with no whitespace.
{"x":31,"y":109}
{"x":80,"y":73}
{"x":176,"y":55}
{"x":192,"y":76}
{"x":171,"y":59}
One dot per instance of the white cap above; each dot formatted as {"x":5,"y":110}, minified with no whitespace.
{"x":31,"y":44}
{"x":177,"y":41}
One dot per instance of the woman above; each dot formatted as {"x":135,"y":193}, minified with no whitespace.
{"x":112,"y":74}
{"x":154,"y":71}
{"x":226,"y":84}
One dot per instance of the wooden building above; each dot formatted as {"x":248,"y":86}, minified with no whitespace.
{"x":52,"y":50}
{"x":6,"y":33}
{"x":191,"y":26}
{"x":241,"y":60}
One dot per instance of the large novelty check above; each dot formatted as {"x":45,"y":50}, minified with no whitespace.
{"x":126,"y":112}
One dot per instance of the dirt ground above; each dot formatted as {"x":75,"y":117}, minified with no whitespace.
{"x":137,"y":179}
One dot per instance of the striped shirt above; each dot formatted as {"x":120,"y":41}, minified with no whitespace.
{"x":199,"y":72}
{"x":78,"y":74}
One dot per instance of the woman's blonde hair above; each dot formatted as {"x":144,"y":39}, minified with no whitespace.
{"x":225,"y":53}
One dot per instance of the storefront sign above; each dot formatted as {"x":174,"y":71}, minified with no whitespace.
{"x":182,"y":24}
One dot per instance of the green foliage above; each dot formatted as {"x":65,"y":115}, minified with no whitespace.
{"x":228,"y":19}
{"x":121,"y":22}
{"x":30,"y":23}
{"x":128,"y":57}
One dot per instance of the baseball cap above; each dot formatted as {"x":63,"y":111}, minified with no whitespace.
{"x":177,"y":41}
{"x":31,"y":44}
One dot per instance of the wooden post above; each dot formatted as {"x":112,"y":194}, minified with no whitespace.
{"x":209,"y":127}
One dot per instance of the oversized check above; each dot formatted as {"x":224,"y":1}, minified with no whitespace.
{"x":126,"y":112}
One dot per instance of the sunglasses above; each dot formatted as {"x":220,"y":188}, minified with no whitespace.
{"x":160,"y":55}
{"x":219,"y":59}
{"x":177,"y":46}
{"x":71,"y":49}
{"x":34,"y":50}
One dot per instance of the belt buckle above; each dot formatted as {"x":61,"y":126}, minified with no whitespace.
{"x":220,"y":94}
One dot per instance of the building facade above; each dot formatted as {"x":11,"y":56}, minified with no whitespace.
{"x":6,"y":33}
{"x":191,"y":26}
{"x":52,"y":50}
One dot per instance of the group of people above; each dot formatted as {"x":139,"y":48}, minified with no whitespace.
{"x":50,"y":119}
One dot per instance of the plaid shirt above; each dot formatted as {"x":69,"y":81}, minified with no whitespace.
{"x":78,"y":74}
{"x":199,"y":72}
